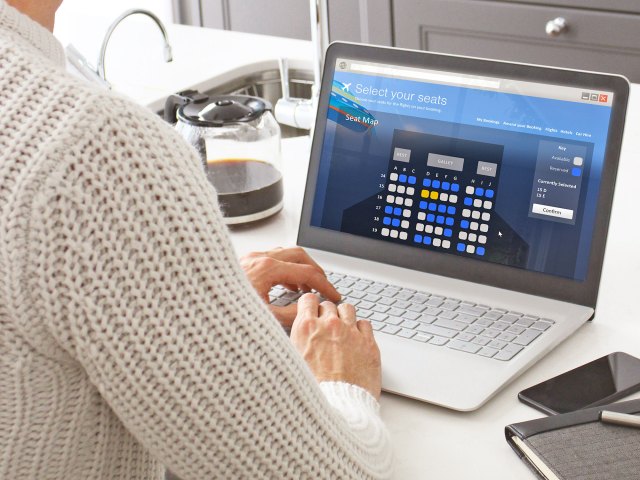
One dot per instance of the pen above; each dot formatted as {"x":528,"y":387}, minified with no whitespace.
{"x":616,"y":418}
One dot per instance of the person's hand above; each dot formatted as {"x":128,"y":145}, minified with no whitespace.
{"x":336,"y":346}
{"x":292,"y":268}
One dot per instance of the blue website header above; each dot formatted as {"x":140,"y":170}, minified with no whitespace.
{"x":507,"y":111}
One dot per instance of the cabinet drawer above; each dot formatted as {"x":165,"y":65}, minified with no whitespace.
{"x":617,"y":5}
{"x":593,"y":40}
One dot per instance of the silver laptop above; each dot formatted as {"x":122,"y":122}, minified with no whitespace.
{"x":462,"y":205}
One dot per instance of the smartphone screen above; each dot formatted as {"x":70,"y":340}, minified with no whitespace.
{"x":596,"y":383}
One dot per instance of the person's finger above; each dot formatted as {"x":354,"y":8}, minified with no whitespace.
{"x":365,"y":327}
{"x":308,"y":305}
{"x":294,"y":255}
{"x":347,"y":313}
{"x":285,"y":315}
{"x":328,"y":309}
{"x":304,"y":275}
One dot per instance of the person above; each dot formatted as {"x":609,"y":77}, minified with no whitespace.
{"x":131,"y":339}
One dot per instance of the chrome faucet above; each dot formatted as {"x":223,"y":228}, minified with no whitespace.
{"x":168,"y":56}
{"x":300,"y":112}
{"x":98,"y":74}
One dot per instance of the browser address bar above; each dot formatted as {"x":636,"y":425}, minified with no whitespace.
{"x":436,"y":77}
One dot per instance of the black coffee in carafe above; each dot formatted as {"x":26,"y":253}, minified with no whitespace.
{"x":238,"y":140}
{"x":247,"y":189}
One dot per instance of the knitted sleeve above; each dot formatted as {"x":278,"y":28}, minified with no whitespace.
{"x":131,"y":267}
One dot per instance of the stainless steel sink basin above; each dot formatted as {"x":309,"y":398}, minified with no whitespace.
{"x":266,"y":84}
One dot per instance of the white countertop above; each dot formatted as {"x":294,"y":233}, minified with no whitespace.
{"x":430,"y":442}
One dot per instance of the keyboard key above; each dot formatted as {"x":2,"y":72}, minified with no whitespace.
{"x":396,"y":312}
{"x":541,"y":326}
{"x":280,"y":302}
{"x":375,"y":289}
{"x":452,"y":324}
{"x":424,"y":318}
{"x":366,"y":305}
{"x":487,"y":352}
{"x":391,"y":329}
{"x":500,"y":325}
{"x":527,"y":337}
{"x":394,"y":320}
{"x":421,"y":337}
{"x":363,"y":313}
{"x":411,"y":315}
{"x":406,"y":333}
{"x":439,"y":341}
{"x":483,"y":322}
{"x":380,"y":308}
{"x":464,"y":346}
{"x":516,"y":330}
{"x":420,"y":298}
{"x":380,"y":317}
{"x":403,"y":295}
{"x":475,"y":329}
{"x":509,"y":318}
{"x":360,"y":285}
{"x":434,"y":302}
{"x":506,"y":337}
{"x":508,"y":352}
{"x":435,"y":330}
{"x":466,"y":318}
{"x":499,"y":344}
{"x":482,"y":341}
{"x":389,"y":292}
{"x":492,"y":315}
{"x":401,"y":304}
{"x":523,"y":322}
{"x":370,"y":297}
{"x":377,"y":325}
{"x":448,"y":314}
{"x":432,"y":311}
{"x":357,"y":294}
{"x":411,"y":324}
{"x":474,"y":311}
{"x":465,"y":337}
{"x":343,"y":283}
{"x":387,"y":301}
{"x":416,"y":307}
{"x":491,"y":332}
{"x":449,"y":305}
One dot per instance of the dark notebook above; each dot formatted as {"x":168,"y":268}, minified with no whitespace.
{"x":577,"y":445}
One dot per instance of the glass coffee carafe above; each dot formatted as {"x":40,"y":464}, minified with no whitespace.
{"x":238,"y":140}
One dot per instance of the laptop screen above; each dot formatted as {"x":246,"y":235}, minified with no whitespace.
{"x":491,"y":169}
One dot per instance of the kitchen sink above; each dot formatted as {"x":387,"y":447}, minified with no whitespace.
{"x":266,"y":84}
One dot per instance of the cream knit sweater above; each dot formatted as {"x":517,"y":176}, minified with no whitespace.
{"x":129,"y":335}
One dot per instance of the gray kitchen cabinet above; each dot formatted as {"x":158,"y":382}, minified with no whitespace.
{"x":367,"y":21}
{"x":593,"y":39}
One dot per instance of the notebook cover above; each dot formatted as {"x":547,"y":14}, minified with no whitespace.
{"x":576,"y":445}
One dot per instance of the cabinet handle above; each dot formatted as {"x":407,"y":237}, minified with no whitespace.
{"x":556,"y":26}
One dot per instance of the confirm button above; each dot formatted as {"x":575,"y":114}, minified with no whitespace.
{"x":552,"y":211}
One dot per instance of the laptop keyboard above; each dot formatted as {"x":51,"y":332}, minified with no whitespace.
{"x":423,"y":317}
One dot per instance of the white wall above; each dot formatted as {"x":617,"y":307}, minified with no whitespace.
{"x":84,"y":22}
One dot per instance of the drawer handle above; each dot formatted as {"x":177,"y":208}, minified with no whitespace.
{"x":556,"y":26}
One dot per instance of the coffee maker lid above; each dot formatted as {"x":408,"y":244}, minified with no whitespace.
{"x":220,"y":110}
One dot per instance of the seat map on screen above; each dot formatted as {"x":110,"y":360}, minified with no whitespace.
{"x":500,"y":177}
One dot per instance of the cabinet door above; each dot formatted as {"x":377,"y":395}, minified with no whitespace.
{"x":592,"y":40}
{"x":283,"y":18}
{"x":363,"y":21}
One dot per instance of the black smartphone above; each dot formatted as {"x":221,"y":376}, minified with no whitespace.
{"x":600,"y":382}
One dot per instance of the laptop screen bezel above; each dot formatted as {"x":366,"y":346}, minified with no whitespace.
{"x":454,"y":266}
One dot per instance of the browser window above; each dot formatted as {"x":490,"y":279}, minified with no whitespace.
{"x":493,"y":169}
